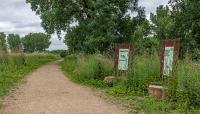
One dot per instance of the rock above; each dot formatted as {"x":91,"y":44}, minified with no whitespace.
{"x":157,"y":91}
{"x":109,"y":80}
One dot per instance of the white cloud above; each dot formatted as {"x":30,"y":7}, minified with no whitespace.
{"x":6,"y":25}
{"x":17,"y":17}
{"x":57,"y":44}
{"x":151,"y":5}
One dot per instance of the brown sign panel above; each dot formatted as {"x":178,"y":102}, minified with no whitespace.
{"x":123,"y":53}
{"x":169,"y":56}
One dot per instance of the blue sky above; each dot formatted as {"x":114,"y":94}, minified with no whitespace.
{"x":17,"y":17}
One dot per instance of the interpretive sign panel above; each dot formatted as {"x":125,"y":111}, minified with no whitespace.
{"x":122,"y":56}
{"x":168,"y":60}
{"x":123,"y":59}
{"x":169,"y":55}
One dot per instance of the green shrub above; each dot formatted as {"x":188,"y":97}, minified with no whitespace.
{"x":117,"y":90}
{"x":63,"y":54}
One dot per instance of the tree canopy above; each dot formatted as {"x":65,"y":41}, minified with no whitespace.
{"x":162,"y":23}
{"x":95,"y":25}
{"x":3,"y":41}
{"x":99,"y":23}
{"x":14,"y":42}
{"x":36,"y":42}
{"x":180,"y":20}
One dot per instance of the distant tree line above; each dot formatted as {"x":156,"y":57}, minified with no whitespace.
{"x":2,"y":42}
{"x":30,"y":43}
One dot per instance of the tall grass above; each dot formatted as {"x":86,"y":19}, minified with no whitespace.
{"x":14,"y":68}
{"x":91,"y":69}
{"x":144,"y":70}
{"x":87,"y":69}
{"x":188,"y":91}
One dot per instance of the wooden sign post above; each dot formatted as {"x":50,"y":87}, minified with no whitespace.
{"x":2,"y":52}
{"x":123,"y":53}
{"x":169,"y":56}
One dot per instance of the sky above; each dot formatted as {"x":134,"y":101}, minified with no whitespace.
{"x":17,"y":17}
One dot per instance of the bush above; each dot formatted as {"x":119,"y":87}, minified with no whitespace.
{"x":117,"y":90}
{"x":63,"y":54}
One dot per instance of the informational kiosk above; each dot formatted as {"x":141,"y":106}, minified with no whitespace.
{"x":123,"y":53}
{"x":169,"y":56}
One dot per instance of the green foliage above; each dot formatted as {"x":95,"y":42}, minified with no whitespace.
{"x":117,"y":90}
{"x":149,"y":45}
{"x":163,"y":23}
{"x":70,"y":63}
{"x":186,"y":17}
{"x":151,"y":106}
{"x":63,"y":54}
{"x":99,"y":23}
{"x":3,"y":41}
{"x":95,"y":25}
{"x":86,"y":69}
{"x":14,"y":68}
{"x":143,"y":29}
{"x":188,"y":84}
{"x":181,"y":20}
{"x":36,"y":42}
{"x":145,"y":69}
{"x":14,"y":42}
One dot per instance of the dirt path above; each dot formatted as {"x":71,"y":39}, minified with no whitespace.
{"x":48,"y":91}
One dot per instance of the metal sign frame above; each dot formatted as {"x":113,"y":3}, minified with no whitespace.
{"x":175,"y":43}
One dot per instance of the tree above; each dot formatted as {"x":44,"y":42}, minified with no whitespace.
{"x":14,"y":42}
{"x":3,"y":41}
{"x":100,"y":23}
{"x":187,"y":24}
{"x":162,"y":23}
{"x":36,"y":42}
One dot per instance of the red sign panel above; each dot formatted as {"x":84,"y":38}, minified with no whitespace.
{"x":169,"y":56}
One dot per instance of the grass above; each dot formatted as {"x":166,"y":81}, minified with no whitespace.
{"x":189,"y":84}
{"x":144,"y":70}
{"x":91,"y":69}
{"x":87,"y":70}
{"x":15,"y":68}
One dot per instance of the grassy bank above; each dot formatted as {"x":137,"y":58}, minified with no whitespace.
{"x":87,"y":69}
{"x":132,"y":88}
{"x":14,"y":68}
